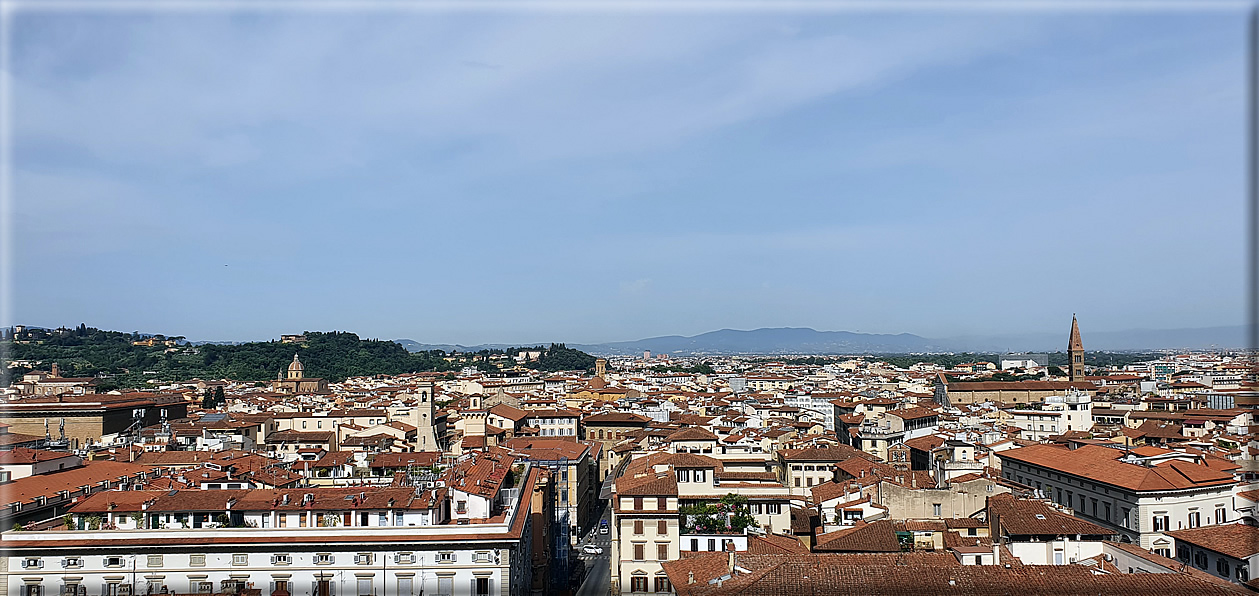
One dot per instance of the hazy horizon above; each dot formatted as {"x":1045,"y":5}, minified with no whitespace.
{"x":480,"y":177}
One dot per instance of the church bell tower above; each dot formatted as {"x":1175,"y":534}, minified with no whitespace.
{"x":1075,"y":353}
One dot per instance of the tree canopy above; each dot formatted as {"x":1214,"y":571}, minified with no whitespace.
{"x":86,"y":351}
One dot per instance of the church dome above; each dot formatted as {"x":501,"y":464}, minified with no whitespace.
{"x":295,"y":368}
{"x":597,"y":383}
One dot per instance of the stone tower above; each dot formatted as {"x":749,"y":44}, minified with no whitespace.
{"x":1075,"y":353}
{"x":422,"y":418}
{"x":601,"y":367}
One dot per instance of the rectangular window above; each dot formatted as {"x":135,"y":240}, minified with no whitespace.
{"x":662,"y":503}
{"x":1161,"y":523}
{"x":638,"y":584}
{"x":639,"y":552}
{"x":364,"y":586}
{"x":662,"y":585}
{"x":406,"y":585}
{"x":638,"y":503}
{"x":695,"y":545}
{"x":684,"y":475}
{"x":638,"y":526}
{"x":662,"y":527}
{"x":1221,"y":516}
{"x":196,"y":560}
{"x":712,"y":544}
{"x":155,"y":561}
{"x":662,"y":551}
{"x":936,"y":509}
{"x":446,"y":557}
{"x":240,"y":559}
{"x":1195,"y":519}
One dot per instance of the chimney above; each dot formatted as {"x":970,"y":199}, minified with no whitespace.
{"x":913,"y":480}
{"x":730,"y":564}
{"x":690,"y":577}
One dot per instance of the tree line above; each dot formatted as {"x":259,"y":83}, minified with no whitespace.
{"x":90,"y":352}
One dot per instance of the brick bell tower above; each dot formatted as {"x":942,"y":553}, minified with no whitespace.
{"x":1075,"y":353}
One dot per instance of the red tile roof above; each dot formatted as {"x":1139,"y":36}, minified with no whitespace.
{"x":1235,"y":540}
{"x":1102,"y":465}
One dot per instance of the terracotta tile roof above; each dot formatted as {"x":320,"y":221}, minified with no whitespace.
{"x":1102,"y":465}
{"x":402,"y":460}
{"x":616,"y":418}
{"x":1020,"y":385}
{"x":691,"y":434}
{"x":548,"y":449}
{"x":877,"y":537}
{"x":663,"y":484}
{"x":24,"y":455}
{"x":334,"y":459}
{"x":1028,"y":517}
{"x":836,"y":453}
{"x":913,"y":413}
{"x":1235,"y":540}
{"x":508,"y":412}
{"x":903,"y":575}
{"x":90,"y":473}
{"x":769,"y":544}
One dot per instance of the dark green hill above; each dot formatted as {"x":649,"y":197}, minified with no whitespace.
{"x":86,"y":351}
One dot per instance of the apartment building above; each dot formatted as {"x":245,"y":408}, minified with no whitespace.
{"x":471,"y":537}
{"x":655,"y":514}
{"x":1139,"y":497}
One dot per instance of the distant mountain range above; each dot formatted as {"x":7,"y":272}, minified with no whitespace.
{"x":802,"y":340}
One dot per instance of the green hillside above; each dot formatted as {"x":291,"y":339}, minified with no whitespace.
{"x":87,"y":351}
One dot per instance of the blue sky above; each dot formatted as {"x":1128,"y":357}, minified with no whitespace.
{"x":586,"y":177}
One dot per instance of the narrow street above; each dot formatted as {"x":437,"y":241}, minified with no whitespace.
{"x":598,"y":567}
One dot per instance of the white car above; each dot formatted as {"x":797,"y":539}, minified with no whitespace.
{"x":603,"y":530}
{"x":591,"y":549}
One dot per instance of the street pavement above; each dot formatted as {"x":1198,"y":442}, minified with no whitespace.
{"x":598,"y":567}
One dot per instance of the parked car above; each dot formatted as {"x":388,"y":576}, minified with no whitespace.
{"x":603,"y":529}
{"x":591,"y":549}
